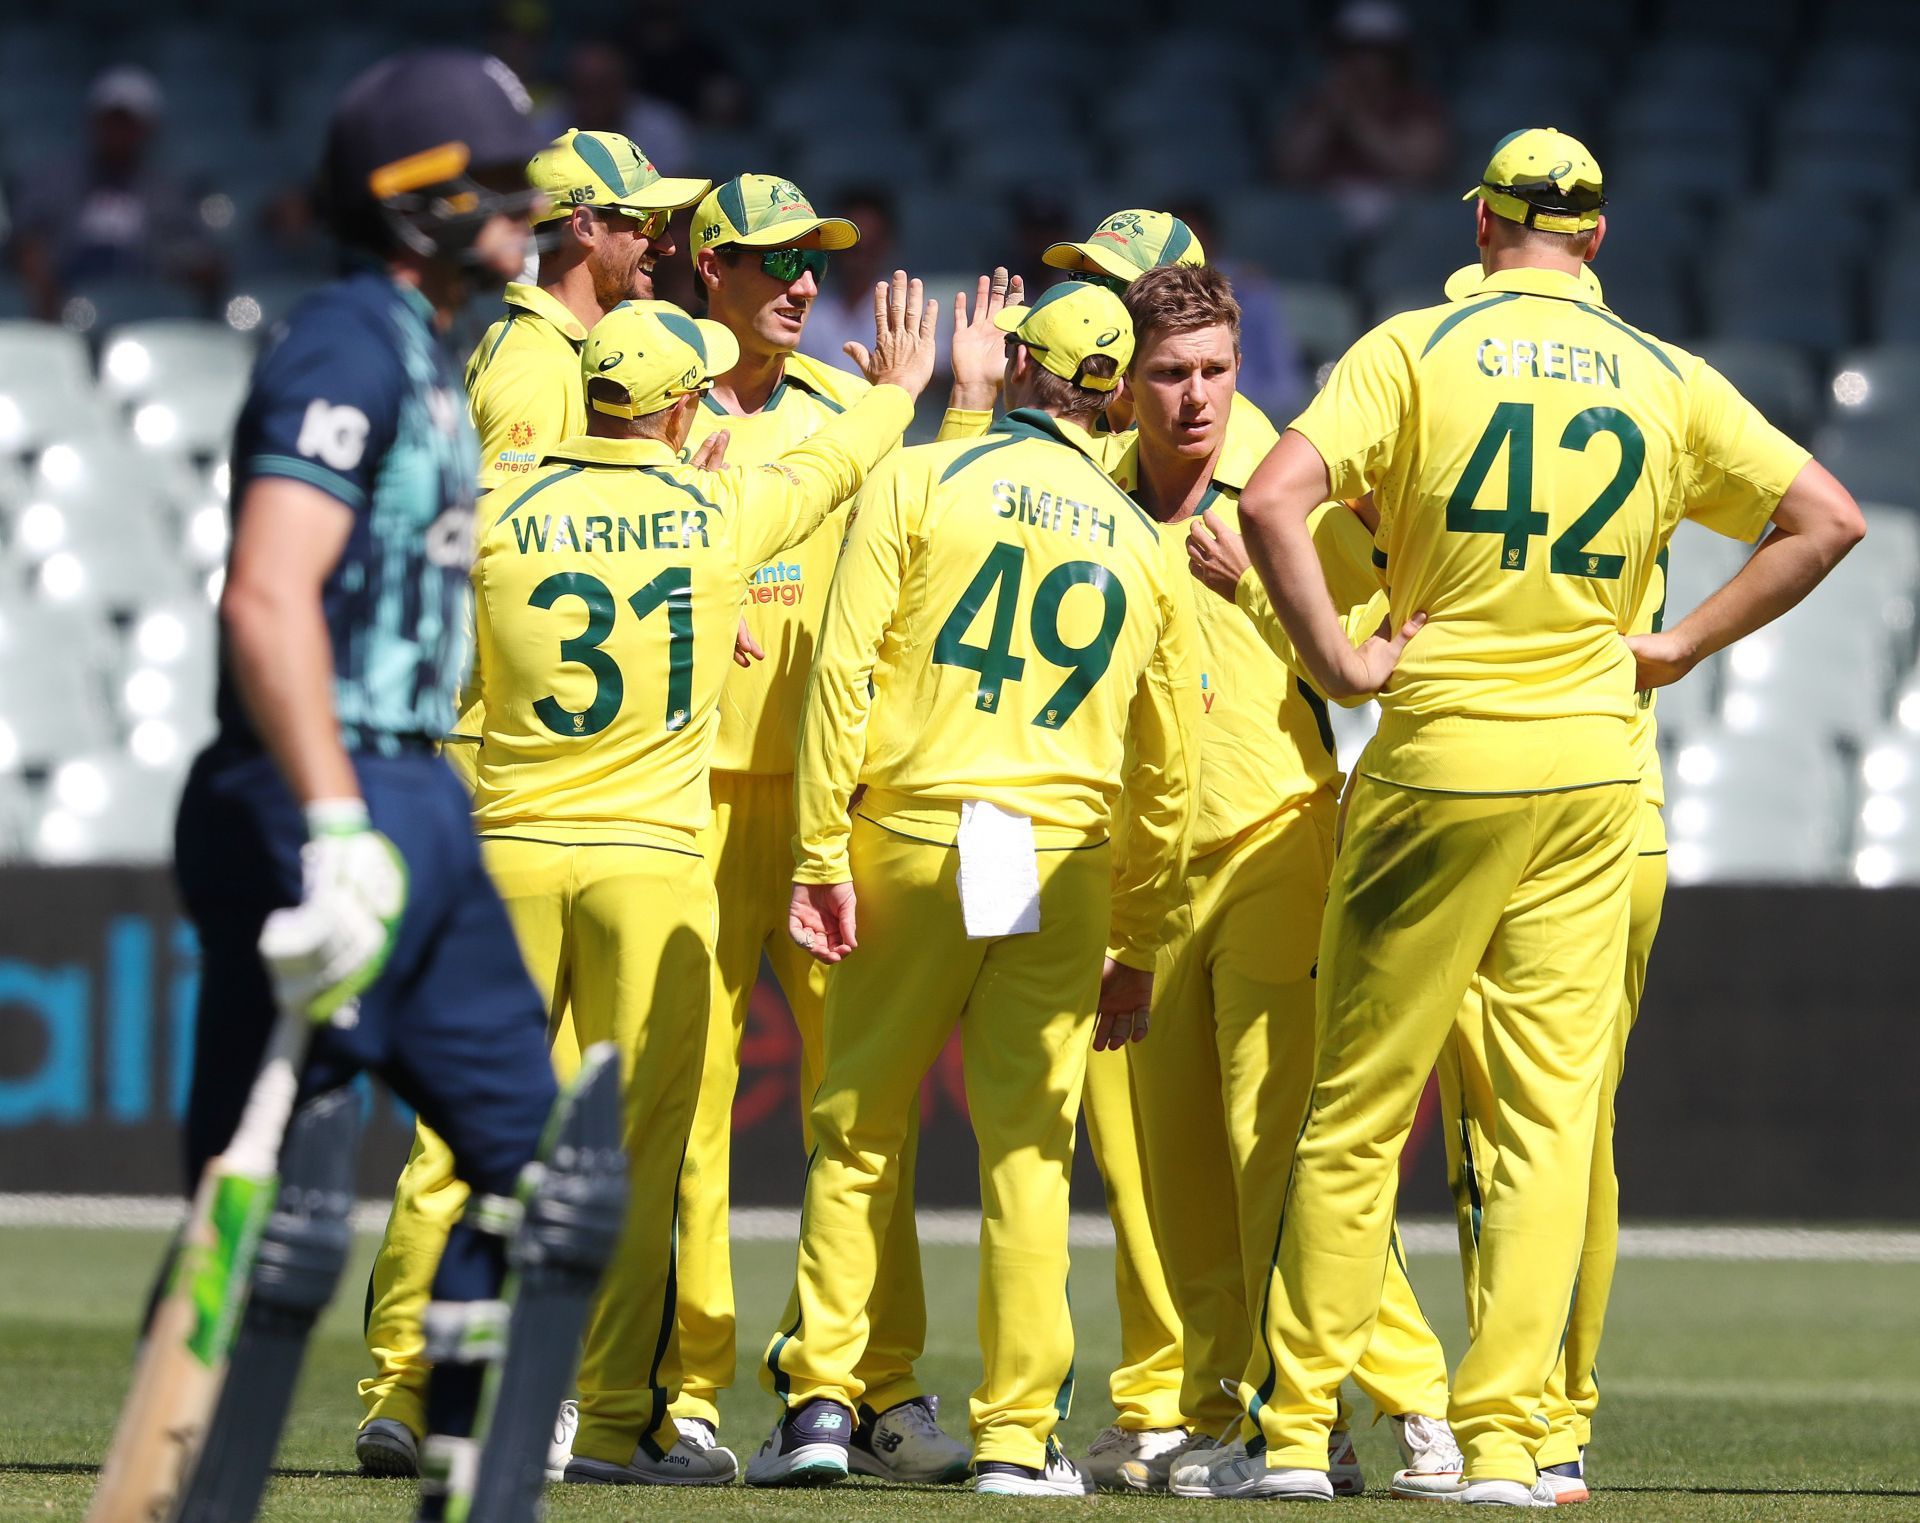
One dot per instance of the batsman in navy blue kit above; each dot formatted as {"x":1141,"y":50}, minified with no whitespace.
{"x":324,"y":850}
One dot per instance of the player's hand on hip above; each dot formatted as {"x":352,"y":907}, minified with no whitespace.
{"x":746,"y":649}
{"x":903,"y":338}
{"x":324,"y":951}
{"x":1660,"y":660}
{"x":1125,"y":996}
{"x":1216,"y":554}
{"x":712,"y":454}
{"x":820,"y":919}
{"x":979,"y":354}
{"x":1376,"y":658}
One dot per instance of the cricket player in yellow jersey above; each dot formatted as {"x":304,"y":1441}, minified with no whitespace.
{"x":607,"y":593}
{"x":1003,"y":624}
{"x":603,"y":226}
{"x":1221,"y":1085}
{"x":1529,"y":453}
{"x":761,"y":251}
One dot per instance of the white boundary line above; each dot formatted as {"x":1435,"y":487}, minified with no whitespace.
{"x":1428,"y":1235}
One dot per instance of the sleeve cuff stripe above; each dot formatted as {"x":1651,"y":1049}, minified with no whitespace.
{"x":330,"y":482}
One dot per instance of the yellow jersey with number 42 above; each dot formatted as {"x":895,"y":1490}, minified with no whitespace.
{"x":606,"y":593}
{"x":1530,"y":454}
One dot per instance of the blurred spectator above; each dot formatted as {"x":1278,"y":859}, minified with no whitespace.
{"x":599,"y":97}
{"x":289,"y":238}
{"x":113,"y":212}
{"x":1040,"y":218}
{"x":844,"y":308}
{"x":1369,"y":129}
{"x":522,"y":38}
{"x":1272,"y":372}
{"x":683,"y":67}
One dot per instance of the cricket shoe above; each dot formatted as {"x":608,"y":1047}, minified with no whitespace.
{"x":1432,"y":1460}
{"x":386,"y":1447}
{"x":1135,"y":1459}
{"x":1058,"y":1477}
{"x":1343,"y":1465}
{"x":1567,"y":1482}
{"x":1506,"y":1494}
{"x":808,"y":1447}
{"x":684,"y":1464}
{"x":1238,"y":1473}
{"x":905,"y":1444}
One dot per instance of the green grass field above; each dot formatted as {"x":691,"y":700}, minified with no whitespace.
{"x":1733,"y":1391}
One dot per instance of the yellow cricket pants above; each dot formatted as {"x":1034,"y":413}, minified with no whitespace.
{"x":1025,"y":1008}
{"x":1222,"y":1081}
{"x":427,"y":1201}
{"x":1467,"y":1105}
{"x":1530,"y":893}
{"x":749,"y":847}
{"x":1145,"y":1385}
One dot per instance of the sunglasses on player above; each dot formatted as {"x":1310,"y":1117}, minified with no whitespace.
{"x":1111,"y":283}
{"x":646,"y":224}
{"x":786,"y":265}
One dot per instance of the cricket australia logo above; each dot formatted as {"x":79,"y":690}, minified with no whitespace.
{"x":1124,"y":226}
{"x":785,"y":196}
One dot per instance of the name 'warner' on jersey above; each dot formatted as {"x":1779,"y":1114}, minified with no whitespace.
{"x":356,"y":398}
{"x":608,"y":593}
{"x":1530,"y":453}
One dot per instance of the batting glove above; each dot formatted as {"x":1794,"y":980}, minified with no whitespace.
{"x":329,"y":947}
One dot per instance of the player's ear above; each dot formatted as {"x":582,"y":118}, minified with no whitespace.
{"x":706,"y":265}
{"x":1599,"y":233}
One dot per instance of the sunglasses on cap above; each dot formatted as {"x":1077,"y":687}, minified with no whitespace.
{"x":1106,"y":282}
{"x":786,"y":265}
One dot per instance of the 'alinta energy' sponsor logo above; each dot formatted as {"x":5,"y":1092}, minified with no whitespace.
{"x":778,"y":582}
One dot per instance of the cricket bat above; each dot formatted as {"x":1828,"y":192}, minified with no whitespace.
{"x":183,"y":1362}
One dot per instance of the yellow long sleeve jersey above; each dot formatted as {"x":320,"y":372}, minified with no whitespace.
{"x":1003,"y":619}
{"x":1265,"y":739}
{"x":760,"y":704}
{"x":1530,"y":453}
{"x":607,"y":593}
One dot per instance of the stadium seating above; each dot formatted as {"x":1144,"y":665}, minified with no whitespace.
{"x":1887,"y":830}
{"x":1761,"y":805}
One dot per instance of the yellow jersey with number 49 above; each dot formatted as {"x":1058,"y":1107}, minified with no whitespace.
{"x":1530,"y":454}
{"x":1003,"y":619}
{"x":606,"y":595}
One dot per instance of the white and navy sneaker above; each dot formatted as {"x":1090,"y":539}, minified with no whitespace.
{"x":1505,"y":1494}
{"x":387,"y":1447}
{"x":1343,"y":1465}
{"x":1567,"y":1482}
{"x":566,"y":1423}
{"x":808,"y":1447}
{"x":1059,"y":1477}
{"x":684,"y":1464}
{"x":698,"y":1432}
{"x":1432,"y":1460}
{"x":905,"y":1443}
{"x":1137,"y":1459}
{"x":1240,"y":1471}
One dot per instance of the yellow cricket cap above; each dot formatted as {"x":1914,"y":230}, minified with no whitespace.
{"x":1069,"y":324}
{"x":1540,"y":177}
{"x":605,"y":170}
{"x":657,"y":352}
{"x":1127,"y":244}
{"x":766,"y":212}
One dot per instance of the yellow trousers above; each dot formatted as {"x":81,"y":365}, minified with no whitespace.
{"x":1530,"y":894}
{"x":1145,"y":1385}
{"x":1025,"y":1007}
{"x":623,"y":937}
{"x":749,"y":847}
{"x":1222,"y":1081}
{"x":1466,"y":1100}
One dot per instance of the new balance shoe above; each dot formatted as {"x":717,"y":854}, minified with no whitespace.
{"x":808,"y":1447}
{"x":1137,"y":1459}
{"x":566,"y":1423}
{"x":387,"y":1448}
{"x":1505,"y":1494}
{"x":1234,"y":1472}
{"x":684,"y":1464}
{"x":1059,"y":1477}
{"x":1567,"y":1482}
{"x":905,"y":1443}
{"x":1343,"y":1465}
{"x":1432,"y":1460}
{"x":698,"y":1432}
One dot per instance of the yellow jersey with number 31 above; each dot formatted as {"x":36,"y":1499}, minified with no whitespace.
{"x":1530,"y":454}
{"x":606,"y":594}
